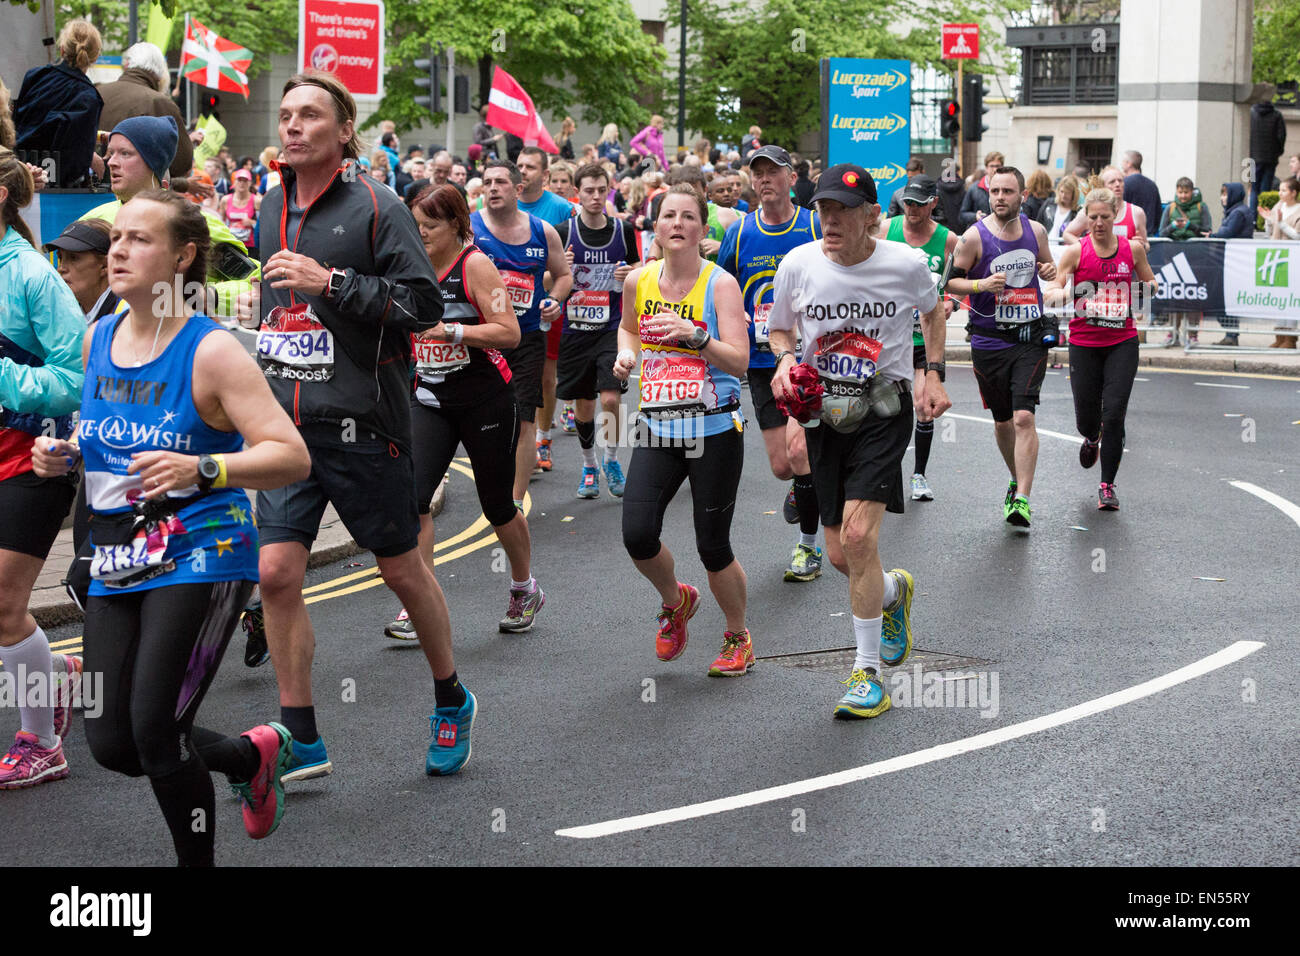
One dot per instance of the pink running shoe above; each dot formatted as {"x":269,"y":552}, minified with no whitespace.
{"x":670,"y":642}
{"x":28,"y":763}
{"x":263,"y":796}
{"x":69,"y":689}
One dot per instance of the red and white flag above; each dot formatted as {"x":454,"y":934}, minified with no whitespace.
{"x":511,"y":108}
{"x":209,"y":60}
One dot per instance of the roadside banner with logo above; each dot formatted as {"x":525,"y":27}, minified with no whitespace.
{"x":1261,"y":278}
{"x":1189,"y":275}
{"x":866,"y":118}
{"x":346,"y":38}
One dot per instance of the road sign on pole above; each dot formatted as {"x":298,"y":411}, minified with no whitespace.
{"x":960,"y":41}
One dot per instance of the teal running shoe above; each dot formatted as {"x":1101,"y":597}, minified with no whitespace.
{"x":866,"y":696}
{"x":307,"y":761}
{"x":450,"y":728}
{"x":589,"y":483}
{"x":896,"y":626}
{"x":614,"y":478}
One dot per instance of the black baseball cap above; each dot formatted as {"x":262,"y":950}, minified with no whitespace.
{"x":773,"y":154}
{"x":920,"y":190}
{"x":81,"y":237}
{"x":847,"y":184}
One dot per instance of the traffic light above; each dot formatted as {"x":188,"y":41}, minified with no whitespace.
{"x":973,"y":108}
{"x":461,"y":94}
{"x":432,"y":82}
{"x":949,"y":122}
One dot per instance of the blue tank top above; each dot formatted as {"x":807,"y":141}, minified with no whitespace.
{"x":596,"y":302}
{"x":151,"y":408}
{"x":752,"y":253}
{"x":521,"y":267}
{"x":1021,"y":301}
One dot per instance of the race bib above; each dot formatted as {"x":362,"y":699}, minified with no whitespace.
{"x":916,"y":322}
{"x":846,"y":361}
{"x":1106,"y":306}
{"x":762,"y":330}
{"x":440,"y":358}
{"x":519,"y":286}
{"x":292,"y":343}
{"x":121,"y":565}
{"x":1017,"y":306}
{"x":588,"y":311}
{"x":675,"y":382}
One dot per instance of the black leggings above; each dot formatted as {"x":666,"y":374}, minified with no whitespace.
{"x":489,"y":430}
{"x":713,"y":465}
{"x":156,"y":652}
{"x":1102,"y":378}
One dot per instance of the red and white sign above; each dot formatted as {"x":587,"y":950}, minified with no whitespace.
{"x":511,"y":108}
{"x":346,"y":38}
{"x":961,"y":41}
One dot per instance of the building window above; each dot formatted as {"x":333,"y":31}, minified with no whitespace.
{"x":1070,"y":64}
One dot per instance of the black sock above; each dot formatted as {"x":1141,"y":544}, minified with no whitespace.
{"x":179,"y":794}
{"x":586,"y":433}
{"x":301,"y":722}
{"x":448,"y":692}
{"x":236,"y":757}
{"x":805,"y":501}
{"x":924,"y":435}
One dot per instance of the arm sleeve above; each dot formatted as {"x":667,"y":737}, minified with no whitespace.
{"x":405,"y":291}
{"x":783,"y":317}
{"x":55,"y":387}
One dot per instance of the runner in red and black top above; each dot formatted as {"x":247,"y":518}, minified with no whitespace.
{"x":601,"y":252}
{"x":1107,"y":269}
{"x":463,"y":395}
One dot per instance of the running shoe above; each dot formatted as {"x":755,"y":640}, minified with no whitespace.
{"x":568,"y":419}
{"x":805,"y":563}
{"x":544,"y":454}
{"x":670,"y":641}
{"x":866,"y":696}
{"x":790,"y":510}
{"x":896,"y":625}
{"x":263,"y":796}
{"x":614,"y":478}
{"x":256,"y":652}
{"x":1089,"y":451}
{"x":28,"y":763}
{"x":307,"y":761}
{"x":1019,"y":514}
{"x":921,"y":489}
{"x":522,"y":609}
{"x":589,"y":483}
{"x":449,"y":730}
{"x":67,"y":670}
{"x":1011,"y":496}
{"x":737,"y":656}
{"x":1106,"y":497}
{"x":401,"y":629}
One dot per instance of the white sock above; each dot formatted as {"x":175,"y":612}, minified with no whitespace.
{"x":544,"y":435}
{"x":891,"y":590}
{"x":528,"y":585}
{"x":589,"y":457}
{"x":808,"y":540}
{"x":611,"y":453}
{"x":1024,"y":497}
{"x":32,"y":656}
{"x":867,"y":633}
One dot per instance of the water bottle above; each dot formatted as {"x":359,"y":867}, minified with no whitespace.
{"x":544,"y":323}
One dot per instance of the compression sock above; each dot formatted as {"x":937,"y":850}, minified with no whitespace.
{"x":24,"y":660}
{"x":301,"y":723}
{"x":447,"y":691}
{"x":866,"y":631}
{"x":587,"y":439}
{"x":236,"y":757}
{"x":186,"y":798}
{"x":805,"y":502}
{"x":924,"y":436}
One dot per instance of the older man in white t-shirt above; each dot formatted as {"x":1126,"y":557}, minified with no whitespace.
{"x":850,"y":297}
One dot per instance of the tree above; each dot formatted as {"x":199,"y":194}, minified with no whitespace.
{"x":596,"y":46}
{"x":1277,"y":53}
{"x":758,"y":62}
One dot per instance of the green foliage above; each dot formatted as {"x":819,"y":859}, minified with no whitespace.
{"x":1268,"y":200}
{"x":757,"y":62}
{"x":1276,"y":50}
{"x":596,"y":45}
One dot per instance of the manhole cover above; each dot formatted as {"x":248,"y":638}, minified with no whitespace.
{"x":839,"y":660}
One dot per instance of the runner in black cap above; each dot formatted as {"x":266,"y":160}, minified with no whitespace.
{"x":852,"y":297}
{"x":83,"y":265}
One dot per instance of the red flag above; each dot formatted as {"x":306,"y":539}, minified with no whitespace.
{"x":213,"y":61}
{"x":511,"y":108}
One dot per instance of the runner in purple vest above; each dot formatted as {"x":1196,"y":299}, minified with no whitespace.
{"x":998,"y":263}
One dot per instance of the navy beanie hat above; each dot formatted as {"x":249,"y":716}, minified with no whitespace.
{"x":155,"y":137}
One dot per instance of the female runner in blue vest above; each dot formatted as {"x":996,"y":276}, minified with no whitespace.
{"x":169,"y":402}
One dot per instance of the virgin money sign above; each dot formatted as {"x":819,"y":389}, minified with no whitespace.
{"x":346,"y":38}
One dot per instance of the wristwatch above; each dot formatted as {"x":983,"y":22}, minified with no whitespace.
{"x":780,"y":355}
{"x":939,"y":367}
{"x":335,"y":283}
{"x":209,"y":471}
{"x":699,"y":338}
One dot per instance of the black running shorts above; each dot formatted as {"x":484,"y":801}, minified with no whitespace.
{"x":587,"y":365}
{"x":866,"y":465}
{"x":1010,"y":379}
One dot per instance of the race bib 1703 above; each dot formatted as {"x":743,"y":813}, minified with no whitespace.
{"x":588,"y":311}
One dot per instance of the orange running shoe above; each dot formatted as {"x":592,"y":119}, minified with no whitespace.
{"x":737,"y":656}
{"x":670,"y":642}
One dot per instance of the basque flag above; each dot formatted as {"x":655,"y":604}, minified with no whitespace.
{"x":210,"y":61}
{"x":511,"y":108}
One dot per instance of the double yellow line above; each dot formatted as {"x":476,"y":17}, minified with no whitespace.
{"x":477,"y":536}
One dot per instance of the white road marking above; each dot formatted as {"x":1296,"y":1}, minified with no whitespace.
{"x":1042,"y":431}
{"x":1141,"y":379}
{"x":1228,"y":655}
{"x":1218,"y":385}
{"x":1288,"y":508}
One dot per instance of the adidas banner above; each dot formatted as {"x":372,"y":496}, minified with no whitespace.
{"x":1190,"y":275}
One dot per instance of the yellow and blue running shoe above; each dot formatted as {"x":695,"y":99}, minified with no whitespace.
{"x":896,"y":625}
{"x":866,"y":696}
